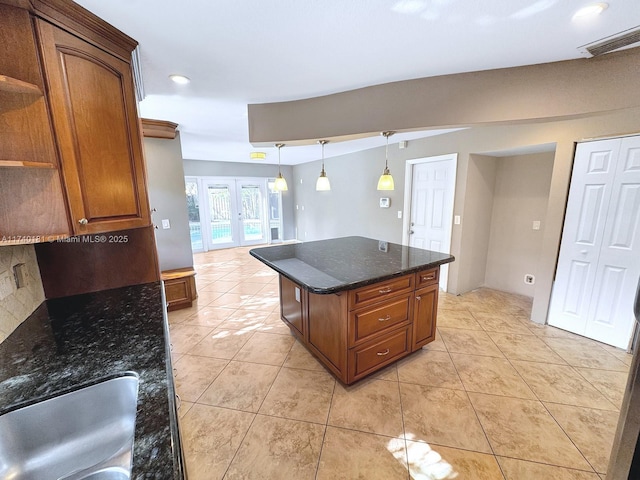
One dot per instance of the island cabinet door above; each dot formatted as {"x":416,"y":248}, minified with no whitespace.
{"x":425,"y":310}
{"x":93,"y":108}
{"x":292,"y":306}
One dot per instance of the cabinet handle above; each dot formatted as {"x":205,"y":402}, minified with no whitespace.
{"x":385,"y":319}
{"x":382,"y":354}
{"x":83,"y":221}
{"x":385,"y":290}
{"x":418,"y":297}
{"x":429,"y":277}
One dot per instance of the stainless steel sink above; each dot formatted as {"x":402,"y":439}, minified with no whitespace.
{"x":83,"y":434}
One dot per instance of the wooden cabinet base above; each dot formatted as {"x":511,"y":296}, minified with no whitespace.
{"x":356,"y":333}
{"x":179,"y":288}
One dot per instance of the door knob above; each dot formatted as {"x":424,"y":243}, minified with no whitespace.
{"x":83,"y":221}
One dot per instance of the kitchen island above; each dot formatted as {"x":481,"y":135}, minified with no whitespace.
{"x":356,"y":303}
{"x":79,"y":340}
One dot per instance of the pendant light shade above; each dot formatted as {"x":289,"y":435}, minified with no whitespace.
{"x":386,"y":180}
{"x":323,"y":184}
{"x":280,"y":183}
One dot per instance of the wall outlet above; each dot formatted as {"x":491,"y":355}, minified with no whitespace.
{"x":456,"y":219}
{"x":536,"y":225}
{"x":529,"y":279}
{"x":165,"y":223}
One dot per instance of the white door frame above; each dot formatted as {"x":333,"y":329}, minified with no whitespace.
{"x":408,"y":183}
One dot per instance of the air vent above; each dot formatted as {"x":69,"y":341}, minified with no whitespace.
{"x":626,"y":39}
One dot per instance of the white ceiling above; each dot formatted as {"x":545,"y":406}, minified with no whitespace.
{"x":238,"y":52}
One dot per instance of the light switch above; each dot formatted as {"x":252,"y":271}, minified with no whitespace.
{"x":165,"y":223}
{"x":399,"y":213}
{"x":456,"y":219}
{"x":536,"y":224}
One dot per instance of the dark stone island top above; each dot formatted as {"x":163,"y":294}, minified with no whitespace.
{"x":338,"y":264}
{"x":75,"y":341}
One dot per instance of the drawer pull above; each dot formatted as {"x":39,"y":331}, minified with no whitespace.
{"x":382,"y":354}
{"x":385,"y":319}
{"x":418,"y":297}
{"x":431,"y":276}
{"x":385,"y":290}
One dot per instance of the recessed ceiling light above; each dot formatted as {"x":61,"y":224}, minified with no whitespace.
{"x":591,"y":10}
{"x":179,"y":79}
{"x":258,"y":155}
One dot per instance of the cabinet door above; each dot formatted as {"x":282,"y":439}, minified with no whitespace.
{"x":424,"y":316}
{"x":96,"y":123}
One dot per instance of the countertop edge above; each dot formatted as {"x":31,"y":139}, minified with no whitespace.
{"x":353,"y":285}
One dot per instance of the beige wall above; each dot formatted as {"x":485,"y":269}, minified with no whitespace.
{"x":480,"y":186}
{"x":16,"y":307}
{"x":520,"y":198}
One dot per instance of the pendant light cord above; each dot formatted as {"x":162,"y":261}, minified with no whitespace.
{"x":386,"y":154}
{"x":279,"y":146}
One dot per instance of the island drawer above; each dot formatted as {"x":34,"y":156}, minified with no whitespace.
{"x":377,"y":318}
{"x":427,"y":277}
{"x":374,"y":293}
{"x":370,"y":357}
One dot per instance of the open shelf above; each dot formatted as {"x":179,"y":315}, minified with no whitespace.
{"x":25,"y":164}
{"x":13,"y":85}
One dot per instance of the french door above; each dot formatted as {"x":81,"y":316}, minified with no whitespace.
{"x":231,"y":212}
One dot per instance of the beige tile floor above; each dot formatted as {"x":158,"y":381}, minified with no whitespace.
{"x":495,"y":396}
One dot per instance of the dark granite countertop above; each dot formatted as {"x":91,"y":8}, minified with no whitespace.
{"x":331,"y":266}
{"x":79,"y":340}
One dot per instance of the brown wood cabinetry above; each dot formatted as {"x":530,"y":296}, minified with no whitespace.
{"x":95,"y":119}
{"x":357,"y":332}
{"x":70,"y":146}
{"x":179,"y":288}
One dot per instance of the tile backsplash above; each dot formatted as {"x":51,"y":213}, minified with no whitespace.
{"x":17,"y":304}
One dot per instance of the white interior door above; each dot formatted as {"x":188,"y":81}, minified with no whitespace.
{"x":430,"y":205}
{"x":599,"y":261}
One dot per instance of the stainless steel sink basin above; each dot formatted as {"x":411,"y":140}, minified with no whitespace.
{"x":83,"y":434}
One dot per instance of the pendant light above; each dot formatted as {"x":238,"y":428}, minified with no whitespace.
{"x":386,"y":180}
{"x":322,"y":184}
{"x":280,"y":183}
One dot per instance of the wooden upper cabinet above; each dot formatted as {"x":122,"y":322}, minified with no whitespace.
{"x":93,"y":109}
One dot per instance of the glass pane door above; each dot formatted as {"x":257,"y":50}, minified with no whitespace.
{"x":220,"y":210}
{"x":251,"y":199}
{"x":227,"y":212}
{"x":193,"y":211}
